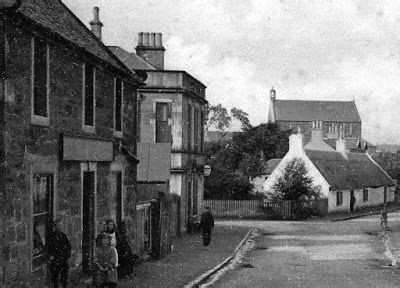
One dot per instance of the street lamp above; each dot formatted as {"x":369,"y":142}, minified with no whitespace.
{"x":207,"y":170}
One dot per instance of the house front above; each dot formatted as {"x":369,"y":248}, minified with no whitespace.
{"x":68,"y":141}
{"x":340,"y":174}
{"x":171,"y":109}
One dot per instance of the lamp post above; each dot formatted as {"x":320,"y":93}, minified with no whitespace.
{"x":207,"y":170}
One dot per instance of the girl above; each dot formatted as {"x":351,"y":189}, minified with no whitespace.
{"x":105,"y":261}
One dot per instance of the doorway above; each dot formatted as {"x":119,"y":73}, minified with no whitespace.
{"x":352,"y":200}
{"x":88,"y":220}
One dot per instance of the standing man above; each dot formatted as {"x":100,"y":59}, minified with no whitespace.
{"x":206,"y":224}
{"x":59,"y":250}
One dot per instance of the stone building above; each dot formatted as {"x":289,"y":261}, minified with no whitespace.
{"x":68,"y":141}
{"x":335,"y":116}
{"x":171,"y":110}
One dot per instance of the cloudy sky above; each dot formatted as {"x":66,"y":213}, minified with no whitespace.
{"x":317,"y":50}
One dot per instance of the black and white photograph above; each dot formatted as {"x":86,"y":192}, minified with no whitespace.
{"x":199,"y":143}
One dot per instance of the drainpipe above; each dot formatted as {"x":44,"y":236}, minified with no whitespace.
{"x":2,"y":152}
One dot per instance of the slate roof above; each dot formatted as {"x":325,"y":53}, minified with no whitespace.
{"x":55,"y":17}
{"x":131,"y":60}
{"x":307,"y":110}
{"x":349,"y":170}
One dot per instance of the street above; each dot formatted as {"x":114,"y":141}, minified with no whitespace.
{"x":316,"y":254}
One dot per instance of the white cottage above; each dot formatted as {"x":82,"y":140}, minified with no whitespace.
{"x":340,"y":174}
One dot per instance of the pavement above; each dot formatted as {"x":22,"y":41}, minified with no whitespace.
{"x":189,"y":259}
{"x":318,"y":253}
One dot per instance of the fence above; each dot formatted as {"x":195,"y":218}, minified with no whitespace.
{"x":235,"y":208}
{"x":257,"y":208}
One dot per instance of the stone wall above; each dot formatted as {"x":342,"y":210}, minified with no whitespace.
{"x":32,"y":148}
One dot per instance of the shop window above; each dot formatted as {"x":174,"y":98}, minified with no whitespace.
{"x":42,"y":217}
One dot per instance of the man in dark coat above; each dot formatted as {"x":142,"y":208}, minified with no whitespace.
{"x":206,"y":224}
{"x":59,"y":250}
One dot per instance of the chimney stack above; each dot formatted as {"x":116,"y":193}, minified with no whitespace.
{"x":151,"y":49}
{"x":95,"y":24}
{"x":296,"y":142}
{"x":317,"y":140}
{"x":341,"y":143}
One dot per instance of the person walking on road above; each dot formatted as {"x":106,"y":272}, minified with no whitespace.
{"x":206,"y":224}
{"x":59,"y":250}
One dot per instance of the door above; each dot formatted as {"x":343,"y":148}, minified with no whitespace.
{"x":352,"y":200}
{"x":116,"y":197}
{"x":88,"y":228}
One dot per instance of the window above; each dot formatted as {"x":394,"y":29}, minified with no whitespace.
{"x":89,"y":100}
{"x":163,"y":131}
{"x":118,"y":105}
{"x":339,"y":198}
{"x":202,"y":131}
{"x":40,"y":81}
{"x":365,"y":195}
{"x":189,"y":128}
{"x":42,"y":217}
{"x":196,"y":130}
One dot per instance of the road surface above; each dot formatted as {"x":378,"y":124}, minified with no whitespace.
{"x":315,"y":254}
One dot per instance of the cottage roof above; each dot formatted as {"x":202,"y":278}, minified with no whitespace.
{"x":55,"y":17}
{"x":131,"y":60}
{"x":349,"y":170}
{"x":351,"y":143}
{"x":307,"y":110}
{"x":271,"y":165}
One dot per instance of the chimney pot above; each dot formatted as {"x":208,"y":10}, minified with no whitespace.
{"x":152,"y":39}
{"x":95,"y":24}
{"x":140,"y":39}
{"x":145,"y":39}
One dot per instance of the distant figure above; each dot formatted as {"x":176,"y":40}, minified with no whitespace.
{"x":105,"y":260}
{"x":59,"y":250}
{"x":125,"y":256}
{"x":206,"y":224}
{"x":352,"y":202}
{"x":384,"y":216}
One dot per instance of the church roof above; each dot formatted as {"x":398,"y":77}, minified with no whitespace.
{"x":349,"y":170}
{"x":308,"y":110}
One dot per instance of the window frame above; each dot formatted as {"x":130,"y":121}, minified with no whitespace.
{"x":365,"y":195}
{"x":190,"y":127}
{"x":167,"y":116}
{"x":118,"y":133}
{"x":85,"y":127}
{"x":38,"y":119}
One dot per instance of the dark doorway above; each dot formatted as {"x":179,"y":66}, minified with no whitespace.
{"x":88,"y":220}
{"x":118,"y":197}
{"x":352,"y":201}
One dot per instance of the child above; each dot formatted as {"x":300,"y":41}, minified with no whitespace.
{"x":384,"y":217}
{"x":105,"y":261}
{"x":59,"y":249}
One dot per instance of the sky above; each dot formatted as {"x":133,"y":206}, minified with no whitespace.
{"x":305,"y":49}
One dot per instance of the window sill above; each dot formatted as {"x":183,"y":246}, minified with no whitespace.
{"x":89,"y":129}
{"x":40,"y":120}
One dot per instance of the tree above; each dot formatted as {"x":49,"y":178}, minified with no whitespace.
{"x":294,"y":184}
{"x":218,"y":117}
